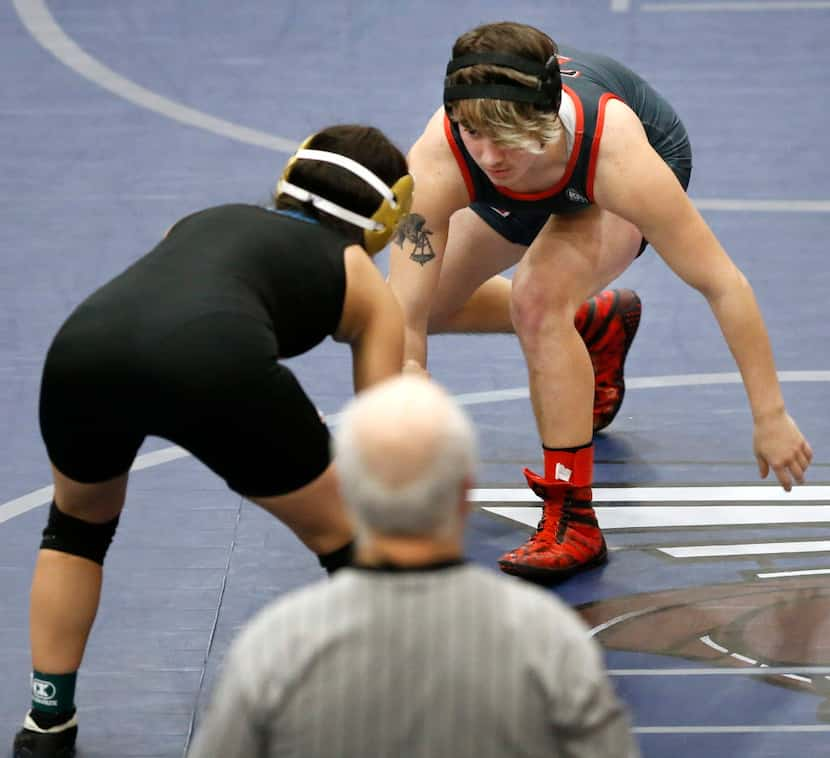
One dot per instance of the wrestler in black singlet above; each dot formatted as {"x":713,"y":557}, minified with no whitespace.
{"x":185,"y":345}
{"x":591,"y":81}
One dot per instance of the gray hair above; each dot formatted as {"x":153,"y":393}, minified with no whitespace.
{"x":403,"y":450}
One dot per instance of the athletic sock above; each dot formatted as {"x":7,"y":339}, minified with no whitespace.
{"x":570,"y":465}
{"x":53,"y":698}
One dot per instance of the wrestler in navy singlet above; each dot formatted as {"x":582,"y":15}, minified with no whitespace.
{"x":185,"y":344}
{"x":589,"y":81}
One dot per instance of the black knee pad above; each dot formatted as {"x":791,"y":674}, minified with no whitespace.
{"x":68,"y":534}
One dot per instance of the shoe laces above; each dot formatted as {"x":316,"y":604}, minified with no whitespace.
{"x":554,"y":522}
{"x":557,"y":517}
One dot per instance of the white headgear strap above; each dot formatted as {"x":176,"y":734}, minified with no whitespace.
{"x":350,"y":165}
{"x":327,"y":206}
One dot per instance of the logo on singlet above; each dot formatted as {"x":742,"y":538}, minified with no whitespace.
{"x":503,"y":214}
{"x":575,"y":197}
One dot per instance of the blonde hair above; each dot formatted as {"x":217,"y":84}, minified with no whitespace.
{"x":508,"y":123}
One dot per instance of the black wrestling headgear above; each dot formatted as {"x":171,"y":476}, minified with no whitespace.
{"x":546,"y":95}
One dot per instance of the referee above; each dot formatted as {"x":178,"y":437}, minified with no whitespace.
{"x":412,"y":651}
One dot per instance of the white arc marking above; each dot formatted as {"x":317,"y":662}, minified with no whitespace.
{"x":42,"y":26}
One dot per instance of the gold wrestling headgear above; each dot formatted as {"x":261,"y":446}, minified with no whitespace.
{"x":377,"y":229}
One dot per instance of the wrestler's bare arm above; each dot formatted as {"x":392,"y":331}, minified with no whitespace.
{"x":417,"y":250}
{"x":633,"y":182}
{"x":371,"y":323}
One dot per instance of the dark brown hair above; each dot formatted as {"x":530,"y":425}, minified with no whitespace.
{"x":364,"y":144}
{"x":506,"y":37}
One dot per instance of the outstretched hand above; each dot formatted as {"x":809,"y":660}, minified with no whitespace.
{"x":779,"y":445}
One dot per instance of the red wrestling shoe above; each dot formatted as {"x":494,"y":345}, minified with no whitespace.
{"x":608,"y":322}
{"x":567,"y":540}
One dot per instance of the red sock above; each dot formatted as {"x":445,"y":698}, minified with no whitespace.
{"x":573,"y":465}
{"x":565,"y":469}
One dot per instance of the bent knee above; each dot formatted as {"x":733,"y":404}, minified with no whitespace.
{"x":537,"y":310}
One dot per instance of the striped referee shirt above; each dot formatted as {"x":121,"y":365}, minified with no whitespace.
{"x":446,"y":662}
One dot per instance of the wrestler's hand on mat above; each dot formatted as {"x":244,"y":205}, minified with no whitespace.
{"x":779,"y":445}
{"x":413,"y":367}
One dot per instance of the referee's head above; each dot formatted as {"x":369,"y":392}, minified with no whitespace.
{"x":405,"y":455}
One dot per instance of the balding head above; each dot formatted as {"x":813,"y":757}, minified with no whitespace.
{"x":404,"y":450}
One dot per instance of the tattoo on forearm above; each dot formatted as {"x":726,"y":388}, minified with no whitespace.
{"x":412,"y":230}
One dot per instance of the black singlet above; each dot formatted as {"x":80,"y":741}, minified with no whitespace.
{"x":285,"y":272}
{"x":185,"y":344}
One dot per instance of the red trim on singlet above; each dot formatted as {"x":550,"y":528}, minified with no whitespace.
{"x":459,"y":159}
{"x":592,"y":161}
{"x":569,"y":169}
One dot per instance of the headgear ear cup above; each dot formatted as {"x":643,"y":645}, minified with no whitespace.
{"x":552,"y":82}
{"x":377,"y":230}
{"x":390,"y":214}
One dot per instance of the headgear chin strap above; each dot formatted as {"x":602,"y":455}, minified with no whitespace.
{"x":377,"y":229}
{"x":546,"y":95}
